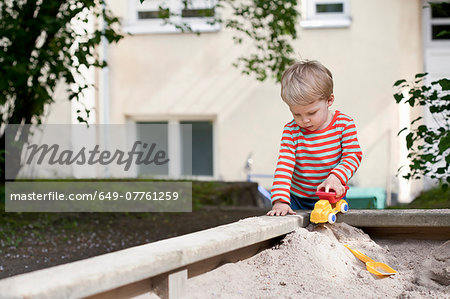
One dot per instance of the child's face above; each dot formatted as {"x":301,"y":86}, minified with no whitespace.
{"x":314,"y":116}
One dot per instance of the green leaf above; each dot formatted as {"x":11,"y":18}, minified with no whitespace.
{"x":429,"y":140}
{"x":399,"y":132}
{"x":445,"y":84}
{"x":444,"y":143}
{"x":409,"y":140}
{"x":398,"y":82}
{"x":422,"y":128}
{"x":398,"y":97}
{"x":443,"y":33}
{"x":421,"y":75}
{"x":441,"y":170}
{"x":428,"y":157}
{"x":417,"y":119}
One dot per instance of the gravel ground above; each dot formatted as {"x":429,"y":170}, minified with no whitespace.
{"x":71,"y":237}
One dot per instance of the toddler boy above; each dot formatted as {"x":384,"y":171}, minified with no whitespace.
{"x":319,"y":148}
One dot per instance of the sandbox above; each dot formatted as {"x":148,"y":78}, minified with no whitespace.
{"x":312,"y":262}
{"x":265,"y":257}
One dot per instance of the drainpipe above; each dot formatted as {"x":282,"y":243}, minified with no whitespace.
{"x":105,"y":98}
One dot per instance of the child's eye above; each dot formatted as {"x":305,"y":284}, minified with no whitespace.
{"x":312,"y":113}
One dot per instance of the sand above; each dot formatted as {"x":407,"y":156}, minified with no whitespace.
{"x":313,"y":263}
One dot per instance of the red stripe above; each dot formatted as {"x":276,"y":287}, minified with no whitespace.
{"x":280,"y":189}
{"x":317,"y":165}
{"x":281,"y":183}
{"x":351,"y":158}
{"x":312,"y":152}
{"x":288,"y":170}
{"x":281,"y":176}
{"x":353,"y":147}
{"x":290,"y":166}
{"x":348,"y":168}
{"x":323,"y":164}
{"x":321,"y":143}
{"x":309,"y":183}
{"x":357,"y":161}
{"x":350,"y":141}
{"x":345,"y":117}
{"x":311,"y":171}
{"x":297,"y":170}
{"x":341,"y":174}
{"x":323,"y":136}
{"x":350,"y":126}
{"x":302,"y":192}
{"x":321,"y":158}
{"x":357,"y":156}
{"x":286,"y":151}
{"x":291,"y":124}
{"x":302,"y":179}
{"x":287,"y":145}
{"x":289,"y":138}
{"x":348,"y":134}
{"x":290,"y":159}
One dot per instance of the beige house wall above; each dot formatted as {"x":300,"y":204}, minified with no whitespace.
{"x":185,"y":76}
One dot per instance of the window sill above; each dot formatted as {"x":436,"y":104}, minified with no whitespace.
{"x":146,"y":27}
{"x":326,"y":23}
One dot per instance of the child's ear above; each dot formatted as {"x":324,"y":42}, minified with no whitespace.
{"x":330,"y":100}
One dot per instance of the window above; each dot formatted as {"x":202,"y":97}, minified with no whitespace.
{"x":189,"y":145}
{"x":439,"y":21}
{"x":325,"y":14}
{"x":153,"y":132}
{"x":202,"y":148}
{"x":147,"y":17}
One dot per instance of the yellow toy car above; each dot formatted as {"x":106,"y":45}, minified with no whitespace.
{"x":328,"y":206}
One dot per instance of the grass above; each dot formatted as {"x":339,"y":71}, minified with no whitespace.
{"x":435,"y":198}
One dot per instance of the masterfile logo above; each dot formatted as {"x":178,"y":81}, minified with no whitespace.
{"x":97,"y":151}
{"x":54,"y":155}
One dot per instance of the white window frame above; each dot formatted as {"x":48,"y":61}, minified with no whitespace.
{"x":175,"y":145}
{"x":134,"y":25}
{"x":313,"y":19}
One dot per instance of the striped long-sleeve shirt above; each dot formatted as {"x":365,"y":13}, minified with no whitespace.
{"x":307,"y":158}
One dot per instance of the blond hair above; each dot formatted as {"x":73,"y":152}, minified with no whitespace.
{"x":306,"y":82}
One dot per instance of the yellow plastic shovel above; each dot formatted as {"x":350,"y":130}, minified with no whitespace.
{"x":377,"y":268}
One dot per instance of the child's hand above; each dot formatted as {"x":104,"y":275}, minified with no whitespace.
{"x":280,"y":209}
{"x":332,"y":182}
